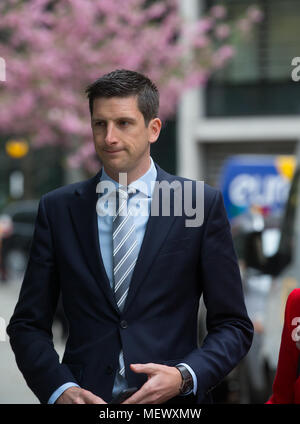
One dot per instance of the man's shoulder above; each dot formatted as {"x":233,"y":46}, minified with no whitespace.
{"x":68,"y":190}
{"x":209,"y":191}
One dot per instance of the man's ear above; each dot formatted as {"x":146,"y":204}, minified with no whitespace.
{"x":154,"y":129}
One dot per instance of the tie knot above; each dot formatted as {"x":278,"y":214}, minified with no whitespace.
{"x":125,"y":192}
{"x":122,"y":197}
{"x":122,"y":194}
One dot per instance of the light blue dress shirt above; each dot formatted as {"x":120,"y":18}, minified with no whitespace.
{"x":144,"y":187}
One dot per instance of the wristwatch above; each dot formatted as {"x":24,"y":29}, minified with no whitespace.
{"x":187,"y":379}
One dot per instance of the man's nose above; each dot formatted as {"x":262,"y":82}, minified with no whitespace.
{"x":110,"y":136}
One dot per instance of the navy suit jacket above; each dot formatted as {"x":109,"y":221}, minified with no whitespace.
{"x":176,"y":264}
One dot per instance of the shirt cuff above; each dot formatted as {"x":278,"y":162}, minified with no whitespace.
{"x":59,"y":391}
{"x":194,"y":390}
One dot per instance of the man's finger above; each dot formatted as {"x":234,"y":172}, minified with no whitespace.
{"x":90,"y":398}
{"x":138,"y":397}
{"x":79,"y":401}
{"x":145,"y":368}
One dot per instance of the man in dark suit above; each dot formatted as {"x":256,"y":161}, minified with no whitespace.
{"x":130,"y":283}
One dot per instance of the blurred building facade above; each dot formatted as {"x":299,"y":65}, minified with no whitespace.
{"x":252,"y":106}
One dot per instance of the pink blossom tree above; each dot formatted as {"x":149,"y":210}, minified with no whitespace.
{"x":54,"y":49}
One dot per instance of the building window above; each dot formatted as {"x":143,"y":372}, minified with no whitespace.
{"x":258,"y":81}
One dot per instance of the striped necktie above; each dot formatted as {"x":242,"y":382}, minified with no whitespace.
{"x":125,"y":252}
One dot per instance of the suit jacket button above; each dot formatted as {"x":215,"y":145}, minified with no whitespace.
{"x":123,"y":324}
{"x":109,"y":369}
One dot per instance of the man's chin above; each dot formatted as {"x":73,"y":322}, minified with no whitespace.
{"x":114,"y":167}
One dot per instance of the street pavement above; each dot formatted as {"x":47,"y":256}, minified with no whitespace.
{"x":13,"y":388}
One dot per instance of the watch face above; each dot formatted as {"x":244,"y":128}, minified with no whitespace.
{"x":187,"y":380}
{"x":187,"y":386}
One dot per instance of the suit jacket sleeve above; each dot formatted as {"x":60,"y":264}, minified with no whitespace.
{"x":229,"y":329}
{"x":286,"y":387}
{"x":30,"y":327}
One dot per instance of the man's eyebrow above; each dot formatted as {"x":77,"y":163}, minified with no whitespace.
{"x":120,"y":118}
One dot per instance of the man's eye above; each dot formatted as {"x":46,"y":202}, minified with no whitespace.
{"x":100,"y":124}
{"x":124,"y":123}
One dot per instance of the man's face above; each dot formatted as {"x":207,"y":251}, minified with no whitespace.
{"x":122,"y":140}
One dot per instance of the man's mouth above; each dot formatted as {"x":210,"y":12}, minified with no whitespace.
{"x":113,"y":151}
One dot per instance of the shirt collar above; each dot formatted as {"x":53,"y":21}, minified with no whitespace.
{"x":145,"y":184}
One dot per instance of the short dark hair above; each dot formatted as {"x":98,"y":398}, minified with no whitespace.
{"x":125,"y":83}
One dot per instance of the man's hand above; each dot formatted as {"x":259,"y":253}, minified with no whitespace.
{"x":163,"y":383}
{"x":76,"y":395}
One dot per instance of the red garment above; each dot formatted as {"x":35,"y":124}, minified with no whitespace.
{"x":286,"y":386}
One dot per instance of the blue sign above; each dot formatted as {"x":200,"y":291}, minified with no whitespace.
{"x":259,"y":182}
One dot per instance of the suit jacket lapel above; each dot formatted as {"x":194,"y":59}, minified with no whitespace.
{"x":156,"y":231}
{"x":84,"y":216}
